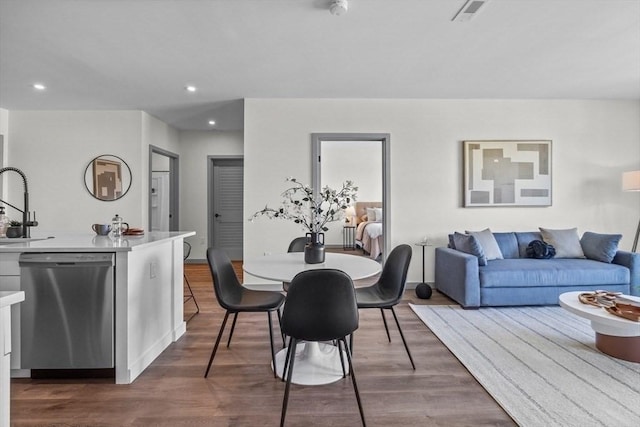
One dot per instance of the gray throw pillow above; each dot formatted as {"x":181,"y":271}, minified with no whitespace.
{"x":566,"y":242}
{"x":488,"y":242}
{"x":468,"y":243}
{"x":600,"y":247}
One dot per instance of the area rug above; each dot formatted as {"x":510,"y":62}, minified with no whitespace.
{"x":540,"y":364}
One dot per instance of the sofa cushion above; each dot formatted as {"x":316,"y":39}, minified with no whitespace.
{"x":524,"y":238}
{"x":508,"y":244}
{"x":469,"y":244}
{"x":600,"y":247}
{"x":566,"y":242}
{"x":488,"y":243}
{"x":551,"y":272}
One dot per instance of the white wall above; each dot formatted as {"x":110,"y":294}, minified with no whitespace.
{"x":593,"y":143}
{"x":195,"y":147}
{"x":53,"y":149}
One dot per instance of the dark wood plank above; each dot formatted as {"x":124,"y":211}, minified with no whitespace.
{"x":241,"y":390}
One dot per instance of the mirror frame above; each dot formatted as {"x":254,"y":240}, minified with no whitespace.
{"x":89,"y":178}
{"x":385,"y":140}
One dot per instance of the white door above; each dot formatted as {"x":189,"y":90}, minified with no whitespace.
{"x":227,"y":220}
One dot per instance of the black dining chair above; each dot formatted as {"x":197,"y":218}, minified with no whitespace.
{"x":235,"y":298}
{"x":296,"y":245}
{"x":321,"y":306}
{"x":387,"y":291}
{"x":189,"y":295}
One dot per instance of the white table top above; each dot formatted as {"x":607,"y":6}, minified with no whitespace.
{"x":601,"y":320}
{"x":284,"y":267}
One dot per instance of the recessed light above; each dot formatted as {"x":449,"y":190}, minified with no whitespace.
{"x":212,"y":122}
{"x":39,"y":86}
{"x":190,"y":88}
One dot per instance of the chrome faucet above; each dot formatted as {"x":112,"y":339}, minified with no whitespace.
{"x":26,"y":215}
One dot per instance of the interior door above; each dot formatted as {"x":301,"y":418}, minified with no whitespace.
{"x":227,"y":196}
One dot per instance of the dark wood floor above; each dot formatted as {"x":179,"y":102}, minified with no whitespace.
{"x":241,"y":390}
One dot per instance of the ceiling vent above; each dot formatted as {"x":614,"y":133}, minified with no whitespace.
{"x":469,"y":10}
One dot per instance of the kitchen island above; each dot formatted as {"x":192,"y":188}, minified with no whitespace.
{"x":148,"y":288}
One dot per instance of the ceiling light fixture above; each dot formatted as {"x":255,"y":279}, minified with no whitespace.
{"x":190,"y":88}
{"x":469,"y":10}
{"x":339,"y":7}
{"x":212,"y":122}
{"x":39,"y":86}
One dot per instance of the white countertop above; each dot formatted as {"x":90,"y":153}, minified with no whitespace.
{"x":86,"y":242}
{"x":10,"y":297}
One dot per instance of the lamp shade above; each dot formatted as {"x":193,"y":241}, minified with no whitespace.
{"x":631,"y":181}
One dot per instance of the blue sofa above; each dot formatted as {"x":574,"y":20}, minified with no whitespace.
{"x":518,"y":280}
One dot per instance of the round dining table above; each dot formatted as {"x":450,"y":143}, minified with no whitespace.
{"x":316,"y":363}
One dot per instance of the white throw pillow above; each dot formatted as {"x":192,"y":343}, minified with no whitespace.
{"x":488,"y":242}
{"x":371,"y":214}
{"x":378,"y":212}
{"x":566,"y":242}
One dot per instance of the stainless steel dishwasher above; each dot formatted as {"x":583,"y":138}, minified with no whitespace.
{"x":67,"y":318}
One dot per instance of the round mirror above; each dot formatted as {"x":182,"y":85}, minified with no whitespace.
{"x":107,"y":177}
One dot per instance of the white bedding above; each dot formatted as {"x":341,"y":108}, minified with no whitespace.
{"x":369,"y":238}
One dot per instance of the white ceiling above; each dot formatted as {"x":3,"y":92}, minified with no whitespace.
{"x":140,"y":54}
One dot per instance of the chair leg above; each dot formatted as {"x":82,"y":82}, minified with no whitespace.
{"x":291,"y":355}
{"x":403,"y":340}
{"x":286,"y":360}
{"x":339,"y":345}
{"x":215,"y":347}
{"x":355,"y":385}
{"x":280,"y":326}
{"x":351,"y":343}
{"x":273,"y":352}
{"x":386,"y":327}
{"x":191,"y":295}
{"x":233,"y":328}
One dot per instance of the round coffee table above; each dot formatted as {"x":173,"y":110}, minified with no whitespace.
{"x":615,"y":336}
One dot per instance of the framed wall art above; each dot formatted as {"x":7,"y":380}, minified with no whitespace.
{"x":107,"y":178}
{"x":507,"y":173}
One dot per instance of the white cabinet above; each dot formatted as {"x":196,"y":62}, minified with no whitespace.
{"x":10,"y":281}
{"x":7,"y":299}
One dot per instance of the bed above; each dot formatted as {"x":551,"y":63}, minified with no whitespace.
{"x":369,"y":236}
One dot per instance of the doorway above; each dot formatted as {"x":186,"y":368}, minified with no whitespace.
{"x":163,"y":190}
{"x":321,"y":142}
{"x":225,"y":204}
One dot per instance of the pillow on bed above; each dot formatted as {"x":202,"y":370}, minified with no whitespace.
{"x":468,"y":243}
{"x":371,"y":214}
{"x":378,"y":212}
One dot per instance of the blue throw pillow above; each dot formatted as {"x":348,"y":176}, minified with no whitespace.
{"x":600,"y":247}
{"x":468,"y":243}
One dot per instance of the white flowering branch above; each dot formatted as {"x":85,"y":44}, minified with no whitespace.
{"x":312,"y":214}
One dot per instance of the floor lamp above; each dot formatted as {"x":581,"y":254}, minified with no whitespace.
{"x":631,"y":182}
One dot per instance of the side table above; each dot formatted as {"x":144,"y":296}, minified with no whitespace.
{"x":349,"y":237}
{"x":423,"y":290}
